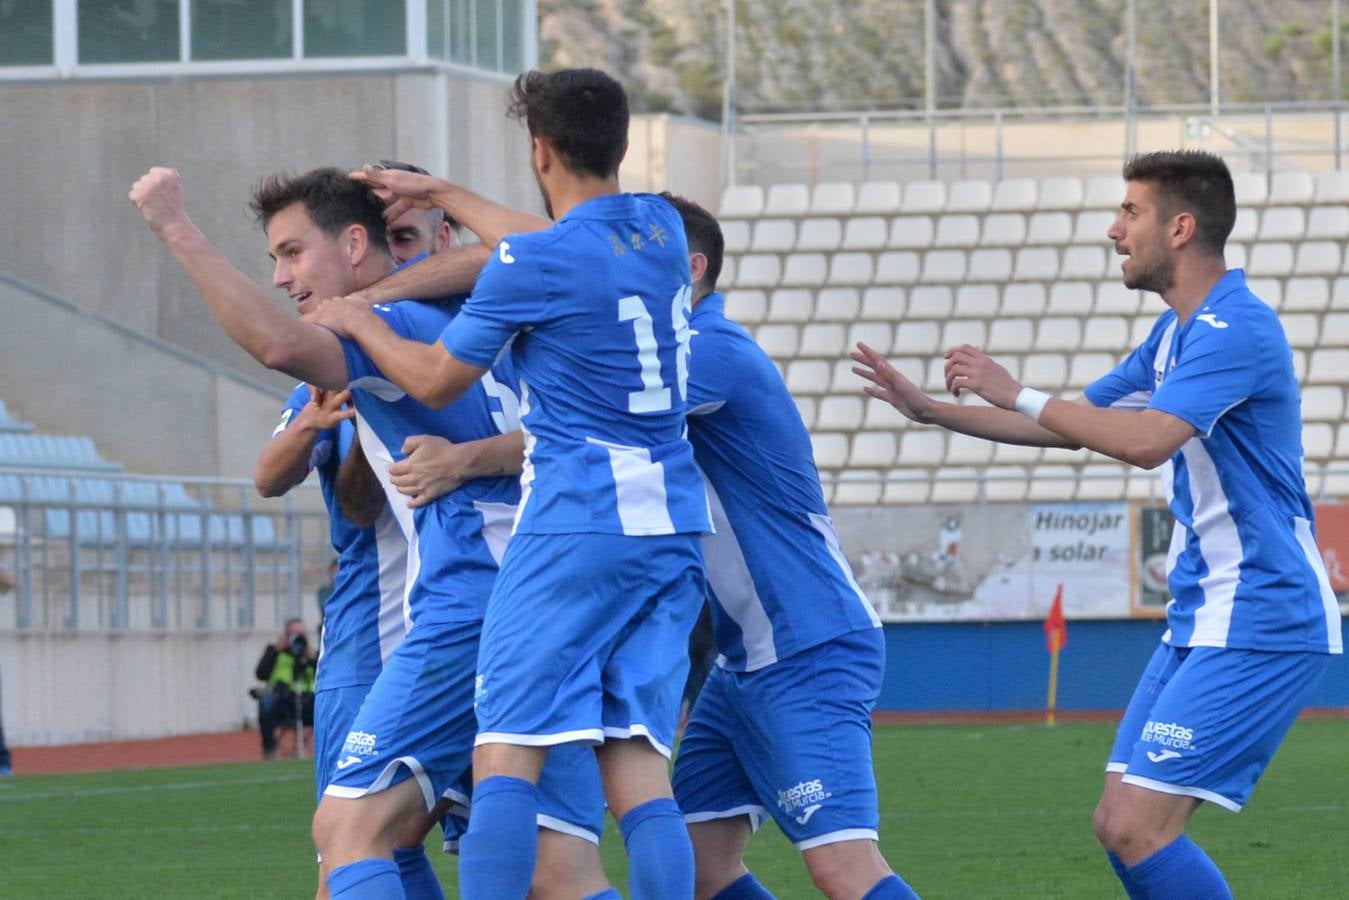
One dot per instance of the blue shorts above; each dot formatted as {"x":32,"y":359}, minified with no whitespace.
{"x":586,"y":637}
{"x":793,"y":740}
{"x":334,"y":711}
{"x":417,"y":721}
{"x":571,"y":798}
{"x":1205,"y":721}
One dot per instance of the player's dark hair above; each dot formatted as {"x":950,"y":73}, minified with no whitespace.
{"x":704,"y":236}
{"x":435,"y":212}
{"x":581,"y":113}
{"x":332,"y":200}
{"x":1190,"y":181}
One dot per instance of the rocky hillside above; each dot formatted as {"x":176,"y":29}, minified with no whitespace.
{"x":849,"y":54}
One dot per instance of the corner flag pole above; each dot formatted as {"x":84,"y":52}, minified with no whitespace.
{"x":1056,"y":637}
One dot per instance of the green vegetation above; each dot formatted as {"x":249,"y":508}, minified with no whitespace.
{"x":968,"y":811}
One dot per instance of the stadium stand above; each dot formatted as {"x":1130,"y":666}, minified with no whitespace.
{"x":1023,"y":268}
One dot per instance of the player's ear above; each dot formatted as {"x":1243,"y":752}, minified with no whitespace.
{"x":1183,"y":229}
{"x":356,"y":242}
{"x":697,"y":267}
{"x":542,"y":154}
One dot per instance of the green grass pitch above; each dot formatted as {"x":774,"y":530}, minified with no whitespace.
{"x":967,"y":812}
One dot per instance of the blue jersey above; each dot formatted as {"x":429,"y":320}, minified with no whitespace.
{"x":1243,"y":567}
{"x":595,"y":312}
{"x":363,"y":616}
{"x":456,"y":542}
{"x":777,"y":577}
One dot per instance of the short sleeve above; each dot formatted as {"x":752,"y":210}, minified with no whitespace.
{"x":359,"y":363}
{"x":707,"y":370}
{"x":1217,"y":370}
{"x":509,"y":295}
{"x":1130,"y":384}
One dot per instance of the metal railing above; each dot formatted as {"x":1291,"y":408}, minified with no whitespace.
{"x":117,"y":552}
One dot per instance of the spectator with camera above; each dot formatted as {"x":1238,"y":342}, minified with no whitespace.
{"x":288,"y":667}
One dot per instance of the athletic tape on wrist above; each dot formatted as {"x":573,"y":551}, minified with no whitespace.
{"x":1031,"y":403}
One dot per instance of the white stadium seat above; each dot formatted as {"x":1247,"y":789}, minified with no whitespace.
{"x":773,"y":236}
{"x":1069,"y":298}
{"x":1269,"y":290}
{"x":876,"y":335}
{"x":831,"y":449}
{"x":865,"y":233}
{"x":969,"y":196}
{"x":1339,"y":294}
{"x":963,"y":331}
{"x":1084,"y":368}
{"x":1246,"y":226}
{"x":820,"y":234}
{"x":1083,"y":262}
{"x":1023,"y":299}
{"x":934,"y":381}
{"x":851,"y":268}
{"x":1310,"y":294}
{"x":943,"y":265}
{"x":924,"y":197}
{"x":1251,"y":188}
{"x":806,"y":407}
{"x":1317,"y":258}
{"x":1274,"y":260}
{"x":1104,"y":192}
{"x":808,"y":376}
{"x":1003,"y":230}
{"x":844,"y":380}
{"x":1014,"y":195}
{"x":832,"y":198}
{"x":728,"y":267}
{"x":990,"y":264}
{"x":1301,"y":329}
{"x":858,"y":487}
{"x":1235,"y":255}
{"x":1106,"y":333}
{"x":933,"y":301}
{"x":1282,"y":223}
{"x":1102,"y":481}
{"x":1291,"y":187}
{"x":914,"y":338}
{"x":1015,"y":454}
{"x":837,"y":304}
{"x":746,"y":306}
{"x":1047,"y":371}
{"x":922,"y":447}
{"x":1005,"y":484}
{"x":911,"y":232}
{"x":1091,"y":228}
{"x":885,"y":303}
{"x":822,"y":339}
{"x":1036,"y":264}
{"x":735,"y":234}
{"x":1335,"y":331}
{"x":976,"y":301}
{"x":1062,"y":192}
{"x":1058,"y":333}
{"x":897,"y":267}
{"x":1328,"y":223}
{"x":955,"y":485}
{"x":957,"y":231}
{"x":1328,"y":366}
{"x":1049,"y":228}
{"x":907,"y":486}
{"x":791,"y":305}
{"x":1052,"y":482}
{"x":965,"y":450}
{"x":1011,"y":336}
{"x":1113,"y":298}
{"x":1332,"y":187}
{"x":758,"y":270}
{"x":1318,"y":440}
{"x":805,"y":270}
{"x":742,"y":201}
{"x":881,"y":416}
{"x":881,"y":197}
{"x":873,"y":448}
{"x":778,"y":341}
{"x":839,"y":414}
{"x":787,"y":200}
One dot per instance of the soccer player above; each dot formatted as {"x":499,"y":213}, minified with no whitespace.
{"x":1211,"y":397}
{"x":586,"y":631}
{"x":783,"y":723}
{"x":417,"y":232}
{"x":412,"y":736}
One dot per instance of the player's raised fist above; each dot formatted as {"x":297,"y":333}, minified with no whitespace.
{"x":158,"y":194}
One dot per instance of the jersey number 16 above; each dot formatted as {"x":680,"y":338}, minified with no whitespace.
{"x":655,"y":394}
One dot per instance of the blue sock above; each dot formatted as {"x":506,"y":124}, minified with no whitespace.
{"x":660,"y":856}
{"x":366,"y":879}
{"x":414,"y":870}
{"x":1122,"y":872}
{"x":497,"y":853}
{"x":610,"y":894}
{"x":891,"y":887}
{"x":1180,"y":871}
{"x":746,"y":887}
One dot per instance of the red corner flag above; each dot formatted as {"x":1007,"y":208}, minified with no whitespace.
{"x":1056,"y":628}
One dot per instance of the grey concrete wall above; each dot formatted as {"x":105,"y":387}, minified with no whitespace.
{"x":74,"y":149}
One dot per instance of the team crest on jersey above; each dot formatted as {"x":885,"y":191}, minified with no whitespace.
{"x":359,"y":743}
{"x":1168,"y":734}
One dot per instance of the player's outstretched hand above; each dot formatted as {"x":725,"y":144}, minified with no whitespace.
{"x":328,"y":408}
{"x":337,"y":314}
{"x":433,"y":467}
{"x":969,"y":368}
{"x":158,"y":194}
{"x":400,"y":190}
{"x":889,"y":385}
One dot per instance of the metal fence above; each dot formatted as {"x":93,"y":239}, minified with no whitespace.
{"x":117,"y":552}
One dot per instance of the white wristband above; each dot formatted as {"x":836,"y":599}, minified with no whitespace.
{"x":1031,"y":403}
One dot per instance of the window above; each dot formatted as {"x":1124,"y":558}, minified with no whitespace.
{"x":242,"y":29}
{"x":114,"y":31}
{"x":354,"y":28}
{"x":25,"y":33}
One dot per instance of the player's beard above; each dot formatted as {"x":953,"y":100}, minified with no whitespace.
{"x":1157,"y":276}
{"x":543,"y":192}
